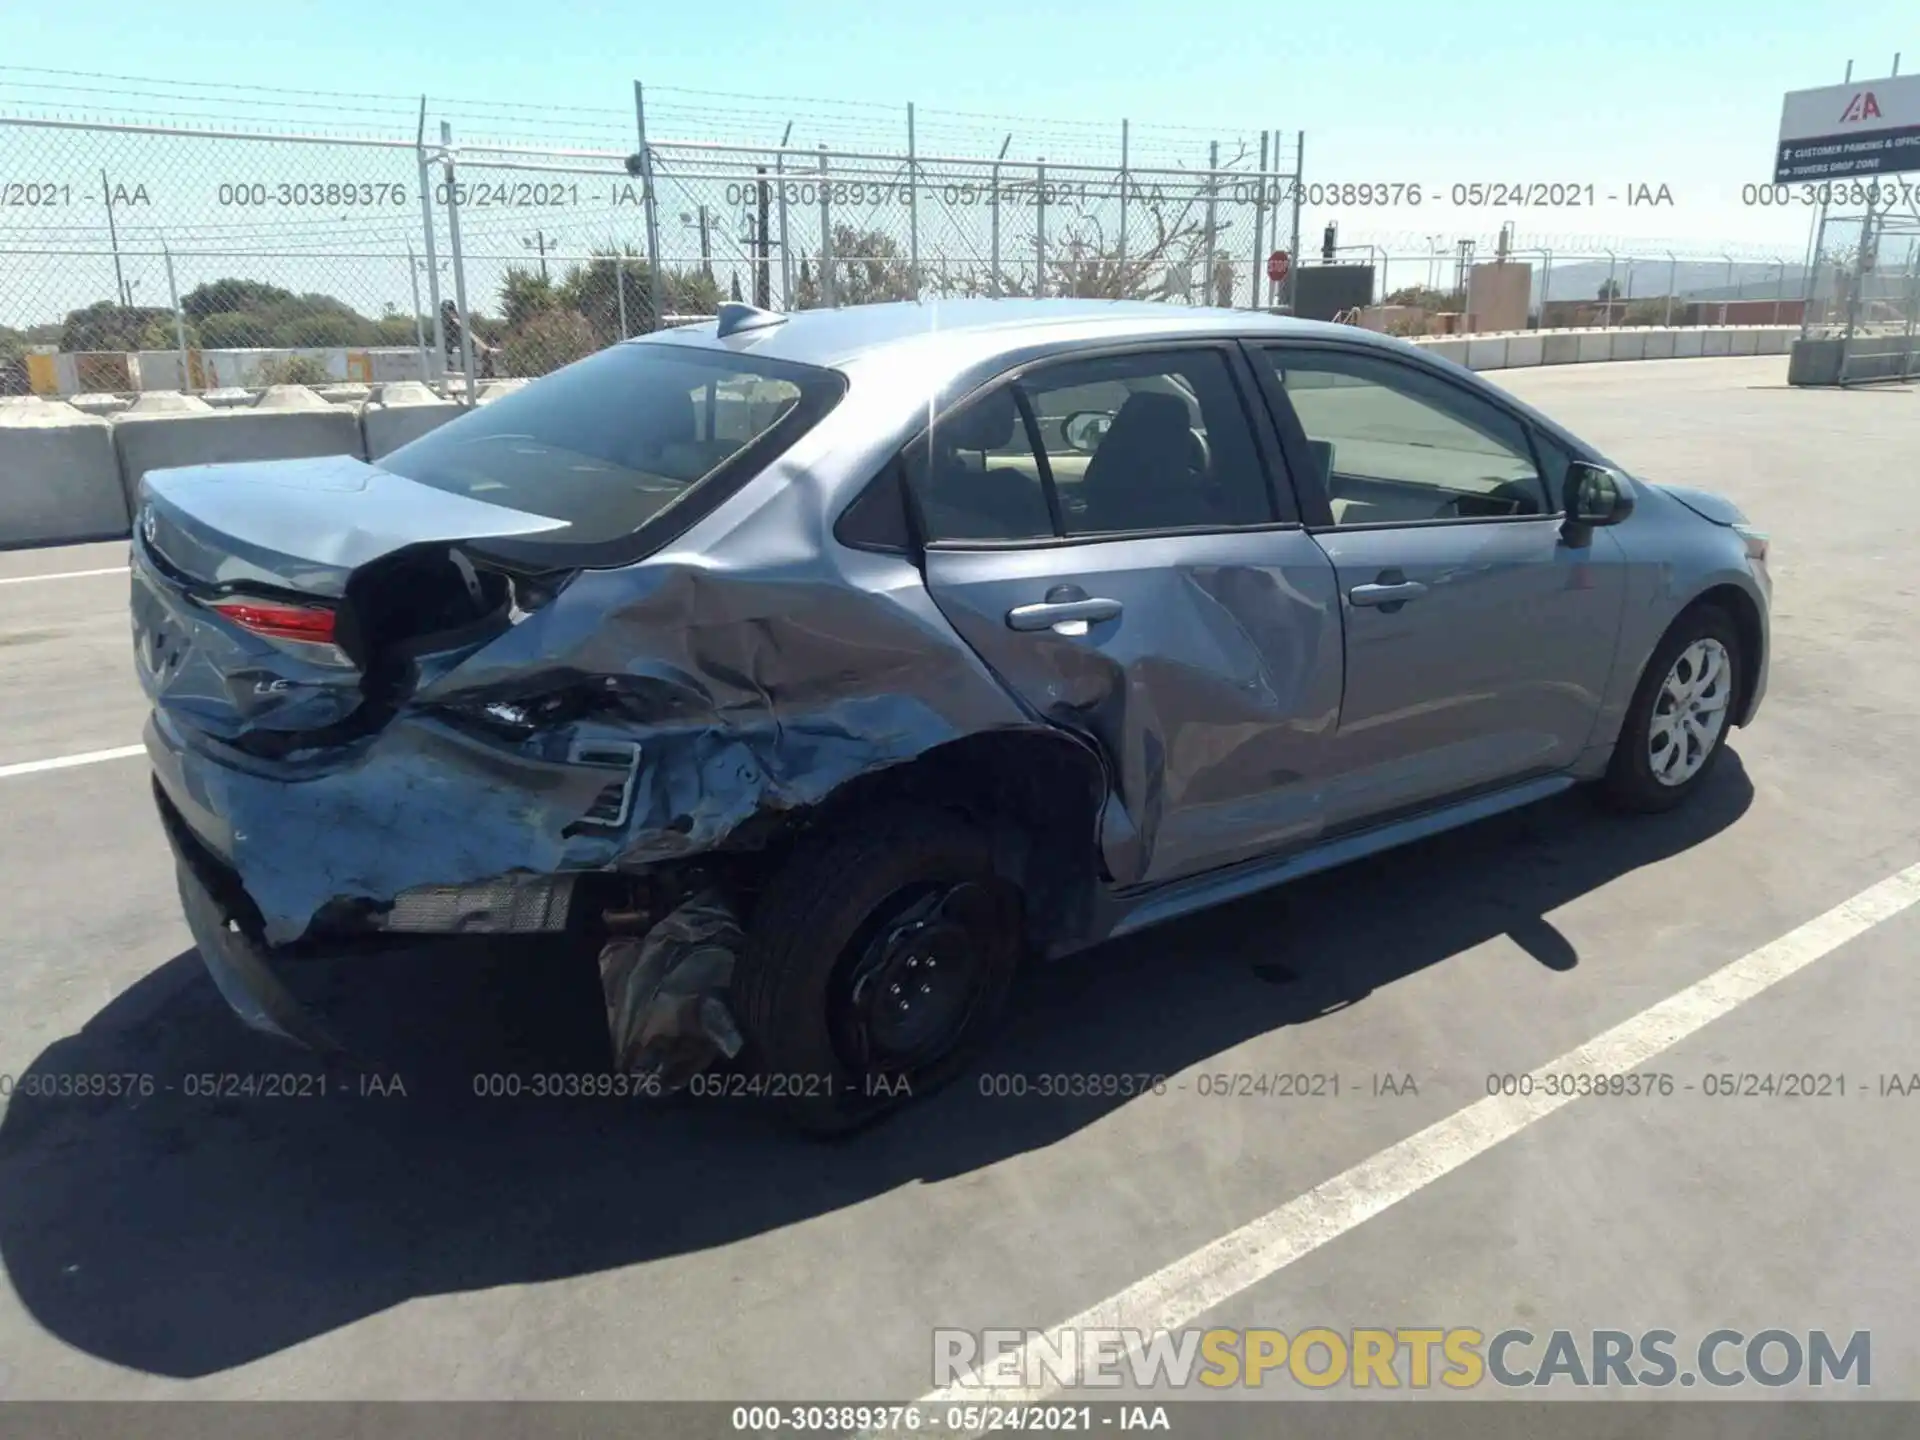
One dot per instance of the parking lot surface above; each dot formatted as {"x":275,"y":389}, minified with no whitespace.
{"x":431,"y":1245}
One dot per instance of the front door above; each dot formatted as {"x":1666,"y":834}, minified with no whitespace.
{"x":1106,"y":533}
{"x":1479,"y":641}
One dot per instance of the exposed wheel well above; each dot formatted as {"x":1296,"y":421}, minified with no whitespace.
{"x":1739,"y":607}
{"x":1037,"y":793}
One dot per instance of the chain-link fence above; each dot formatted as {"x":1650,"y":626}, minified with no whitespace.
{"x":185,"y":255}
{"x":1865,"y":273}
{"x":439,"y":242}
{"x":173,"y":247}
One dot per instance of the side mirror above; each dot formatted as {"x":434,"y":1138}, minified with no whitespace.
{"x":1082,"y":429}
{"x":1594,"y":495}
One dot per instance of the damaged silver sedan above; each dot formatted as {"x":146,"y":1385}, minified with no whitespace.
{"x":815,"y":671}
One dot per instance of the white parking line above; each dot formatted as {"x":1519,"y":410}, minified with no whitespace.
{"x":1194,"y":1284}
{"x":62,"y":762}
{"x":62,"y":575}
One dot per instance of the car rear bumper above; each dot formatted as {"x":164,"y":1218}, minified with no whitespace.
{"x":421,"y":831}
{"x":218,"y":917}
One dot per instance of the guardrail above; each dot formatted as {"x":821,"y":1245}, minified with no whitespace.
{"x":68,"y":471}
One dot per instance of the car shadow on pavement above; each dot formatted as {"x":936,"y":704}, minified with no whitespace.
{"x":182,"y":1235}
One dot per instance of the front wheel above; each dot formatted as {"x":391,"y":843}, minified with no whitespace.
{"x":877,"y":964}
{"x":1680,"y":714}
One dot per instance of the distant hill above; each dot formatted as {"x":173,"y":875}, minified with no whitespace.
{"x":1688,"y":279}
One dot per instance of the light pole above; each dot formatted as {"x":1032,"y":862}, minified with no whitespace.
{"x":538,"y":240}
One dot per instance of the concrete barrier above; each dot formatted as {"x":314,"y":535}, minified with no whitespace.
{"x":492,"y":390}
{"x":162,"y":369}
{"x":165,"y":402}
{"x":1488,"y":353}
{"x":404,"y":412}
{"x":59,"y":479}
{"x":288,"y":422}
{"x":1523,"y":350}
{"x":1589,"y":346}
{"x":1832,"y":360}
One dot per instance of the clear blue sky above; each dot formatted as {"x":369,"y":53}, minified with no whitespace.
{"x":1681,"y":93}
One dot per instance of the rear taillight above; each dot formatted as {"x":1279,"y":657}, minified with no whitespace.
{"x":278,"y":621}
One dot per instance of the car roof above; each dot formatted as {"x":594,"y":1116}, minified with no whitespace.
{"x":836,"y":336}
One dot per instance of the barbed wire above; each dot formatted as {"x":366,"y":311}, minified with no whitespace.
{"x":228,"y":215}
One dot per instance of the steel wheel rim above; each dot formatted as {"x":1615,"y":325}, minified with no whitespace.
{"x":1689,"y":712}
{"x":922,"y":952}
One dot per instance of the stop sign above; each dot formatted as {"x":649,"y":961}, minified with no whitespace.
{"x":1277,"y":266}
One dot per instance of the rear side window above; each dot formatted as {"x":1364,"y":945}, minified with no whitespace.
{"x":1148,"y":442}
{"x":618,"y":439}
{"x":1113,"y":445}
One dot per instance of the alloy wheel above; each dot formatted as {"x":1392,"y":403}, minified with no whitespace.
{"x":1689,"y":712}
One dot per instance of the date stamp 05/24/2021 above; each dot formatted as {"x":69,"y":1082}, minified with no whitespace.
{"x":1303,"y":1086}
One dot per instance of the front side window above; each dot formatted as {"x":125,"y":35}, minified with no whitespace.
{"x":1125,"y":444}
{"x":1393,"y":445}
{"x":614,"y":440}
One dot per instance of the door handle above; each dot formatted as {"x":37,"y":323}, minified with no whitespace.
{"x":1389,"y":596}
{"x":1053,"y":614}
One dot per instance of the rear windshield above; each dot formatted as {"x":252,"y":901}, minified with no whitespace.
{"x":612,"y":441}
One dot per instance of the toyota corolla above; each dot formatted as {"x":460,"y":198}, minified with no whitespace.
{"x":814,"y":672}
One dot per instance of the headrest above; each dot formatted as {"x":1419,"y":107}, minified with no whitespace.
{"x":1152,"y":410}
{"x":986,"y":424}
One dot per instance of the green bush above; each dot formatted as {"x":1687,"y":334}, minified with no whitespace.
{"x":320,"y":332}
{"x":228,"y":297}
{"x":398,"y":330}
{"x":107,"y":326}
{"x":546,"y":342}
{"x":295,"y":370}
{"x":232,"y":330}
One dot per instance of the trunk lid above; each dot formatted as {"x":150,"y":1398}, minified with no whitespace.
{"x":290,"y":604}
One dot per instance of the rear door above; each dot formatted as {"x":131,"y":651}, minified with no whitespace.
{"x":1479,"y":641}
{"x":1109,"y":533}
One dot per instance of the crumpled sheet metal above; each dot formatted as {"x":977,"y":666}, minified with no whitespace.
{"x":667,"y":1013}
{"x":746,"y":698}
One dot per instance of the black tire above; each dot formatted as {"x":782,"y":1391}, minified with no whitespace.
{"x":816,"y":931}
{"x":1630,"y":782}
